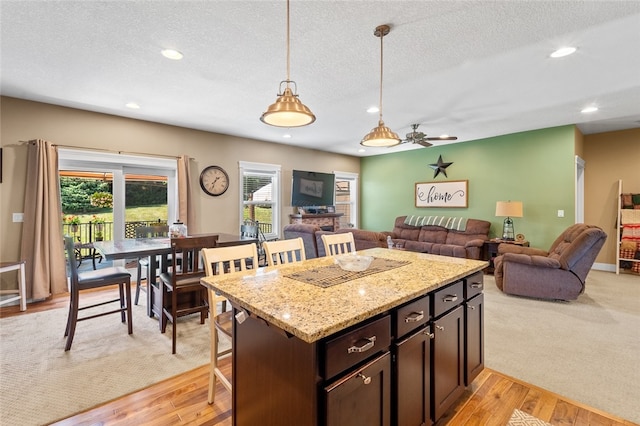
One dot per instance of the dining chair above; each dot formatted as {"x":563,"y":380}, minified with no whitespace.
{"x":181,"y":291}
{"x":338,"y":243}
{"x":251,"y":229}
{"x":220,"y":261}
{"x":284,"y":251}
{"x":144,"y":262}
{"x":94,"y":279}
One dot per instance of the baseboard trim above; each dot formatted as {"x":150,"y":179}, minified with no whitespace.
{"x":607,"y":267}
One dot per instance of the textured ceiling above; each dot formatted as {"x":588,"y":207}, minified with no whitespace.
{"x":473,"y":69}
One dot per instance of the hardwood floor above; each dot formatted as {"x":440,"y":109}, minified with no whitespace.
{"x":490,"y":400}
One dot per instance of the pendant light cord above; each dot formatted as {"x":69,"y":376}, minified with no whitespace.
{"x":381,"y":71}
{"x":288,"y":44}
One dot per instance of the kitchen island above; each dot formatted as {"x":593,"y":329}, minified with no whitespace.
{"x":313,"y":346}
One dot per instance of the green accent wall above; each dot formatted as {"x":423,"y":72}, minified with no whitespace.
{"x":535,"y":167}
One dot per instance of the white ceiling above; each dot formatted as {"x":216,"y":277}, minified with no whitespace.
{"x":473,"y":69}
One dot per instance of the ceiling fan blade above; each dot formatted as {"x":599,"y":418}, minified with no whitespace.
{"x":448,"y":138}
{"x":424,"y":143}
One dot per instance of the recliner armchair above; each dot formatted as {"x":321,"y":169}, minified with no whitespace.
{"x":559,"y":273}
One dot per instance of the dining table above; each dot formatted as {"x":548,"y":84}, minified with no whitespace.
{"x":157,"y":250}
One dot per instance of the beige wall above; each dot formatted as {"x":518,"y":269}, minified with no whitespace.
{"x":24,"y":120}
{"x":609,"y":157}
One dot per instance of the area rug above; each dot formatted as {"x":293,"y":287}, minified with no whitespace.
{"x":41,"y":383}
{"x":520,"y":418}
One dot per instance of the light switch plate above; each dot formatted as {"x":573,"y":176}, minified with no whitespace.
{"x":18,"y":217}
{"x":560,"y":213}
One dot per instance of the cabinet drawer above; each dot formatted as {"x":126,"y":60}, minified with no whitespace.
{"x":447,"y":298}
{"x":356,"y":345}
{"x":411,"y":316}
{"x":473,"y":285}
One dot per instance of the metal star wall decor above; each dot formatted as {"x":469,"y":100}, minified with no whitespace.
{"x":440,"y":167}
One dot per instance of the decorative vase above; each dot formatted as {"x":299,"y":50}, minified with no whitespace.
{"x":74,"y":228}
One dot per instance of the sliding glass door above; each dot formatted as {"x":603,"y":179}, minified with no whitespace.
{"x":151,"y":185}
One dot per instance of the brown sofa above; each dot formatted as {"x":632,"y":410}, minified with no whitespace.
{"x":425,"y":239}
{"x":308,"y":235}
{"x":559,"y":273}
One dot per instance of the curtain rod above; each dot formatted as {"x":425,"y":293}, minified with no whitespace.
{"x":113,"y":152}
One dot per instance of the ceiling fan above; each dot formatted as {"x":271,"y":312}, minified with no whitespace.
{"x":422,"y":139}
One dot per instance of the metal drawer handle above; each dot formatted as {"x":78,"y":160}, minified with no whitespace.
{"x":476,"y":285}
{"x":427,"y":333}
{"x":364,"y":378}
{"x":414,"y":316}
{"x":450,"y":298}
{"x":439,"y":327}
{"x":359,"y":349}
{"x":473,"y":308}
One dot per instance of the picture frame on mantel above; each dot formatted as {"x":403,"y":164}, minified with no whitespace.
{"x":450,"y":194}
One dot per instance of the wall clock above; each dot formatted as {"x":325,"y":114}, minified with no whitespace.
{"x":214,"y":180}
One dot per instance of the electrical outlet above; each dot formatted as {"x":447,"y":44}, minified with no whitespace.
{"x":560,"y":213}
{"x":18,"y":217}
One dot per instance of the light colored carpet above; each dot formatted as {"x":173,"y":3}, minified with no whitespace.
{"x":520,"y":418}
{"x":587,"y":350}
{"x":41,"y":383}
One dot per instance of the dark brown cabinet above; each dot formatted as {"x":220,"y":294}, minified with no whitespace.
{"x":474,"y":338}
{"x":412,"y":386}
{"x":405,"y":366}
{"x":362,"y":397}
{"x":448,"y":360}
{"x":474,"y":326}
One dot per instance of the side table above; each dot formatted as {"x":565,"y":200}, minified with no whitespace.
{"x":490,"y":251}
{"x":20,"y":293}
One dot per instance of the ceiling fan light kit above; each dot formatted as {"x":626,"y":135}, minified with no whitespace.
{"x":381,"y":136}
{"x":288,"y":110}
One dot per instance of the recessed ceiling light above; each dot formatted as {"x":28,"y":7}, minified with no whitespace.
{"x":373,"y":110}
{"x":589,"y":109}
{"x":563,"y":51}
{"x":172,"y":54}
{"x":362,"y":150}
{"x":132,"y":105}
{"x":286,"y":136}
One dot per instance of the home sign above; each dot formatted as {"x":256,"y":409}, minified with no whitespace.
{"x":442,"y":194}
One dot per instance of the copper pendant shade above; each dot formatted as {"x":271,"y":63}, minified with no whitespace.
{"x":288,"y":110}
{"x":381,"y":136}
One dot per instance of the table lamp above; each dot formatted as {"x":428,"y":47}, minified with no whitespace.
{"x":508,"y":209}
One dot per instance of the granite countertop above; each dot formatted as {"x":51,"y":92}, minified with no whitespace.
{"x":311,"y":313}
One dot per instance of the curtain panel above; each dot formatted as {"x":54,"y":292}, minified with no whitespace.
{"x":42,"y":242}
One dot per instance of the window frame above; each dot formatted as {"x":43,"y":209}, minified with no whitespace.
{"x":246,"y":168}
{"x":353,"y":195}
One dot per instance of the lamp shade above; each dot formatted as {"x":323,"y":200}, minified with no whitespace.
{"x":288,"y":111}
{"x":380,"y":136}
{"x":509,"y":209}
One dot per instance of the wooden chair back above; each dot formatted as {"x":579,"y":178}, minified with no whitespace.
{"x":188,"y":249}
{"x":338,"y":243}
{"x":223,"y":260}
{"x":284,"y":251}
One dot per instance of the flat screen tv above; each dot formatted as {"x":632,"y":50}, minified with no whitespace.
{"x":312,"y":189}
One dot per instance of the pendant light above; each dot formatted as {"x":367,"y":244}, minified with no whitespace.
{"x":381,"y":135}
{"x":288,"y":110}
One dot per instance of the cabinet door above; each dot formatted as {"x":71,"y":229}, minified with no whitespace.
{"x":448,"y":360}
{"x":474,"y":338}
{"x":413,"y":379}
{"x":362,"y":397}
